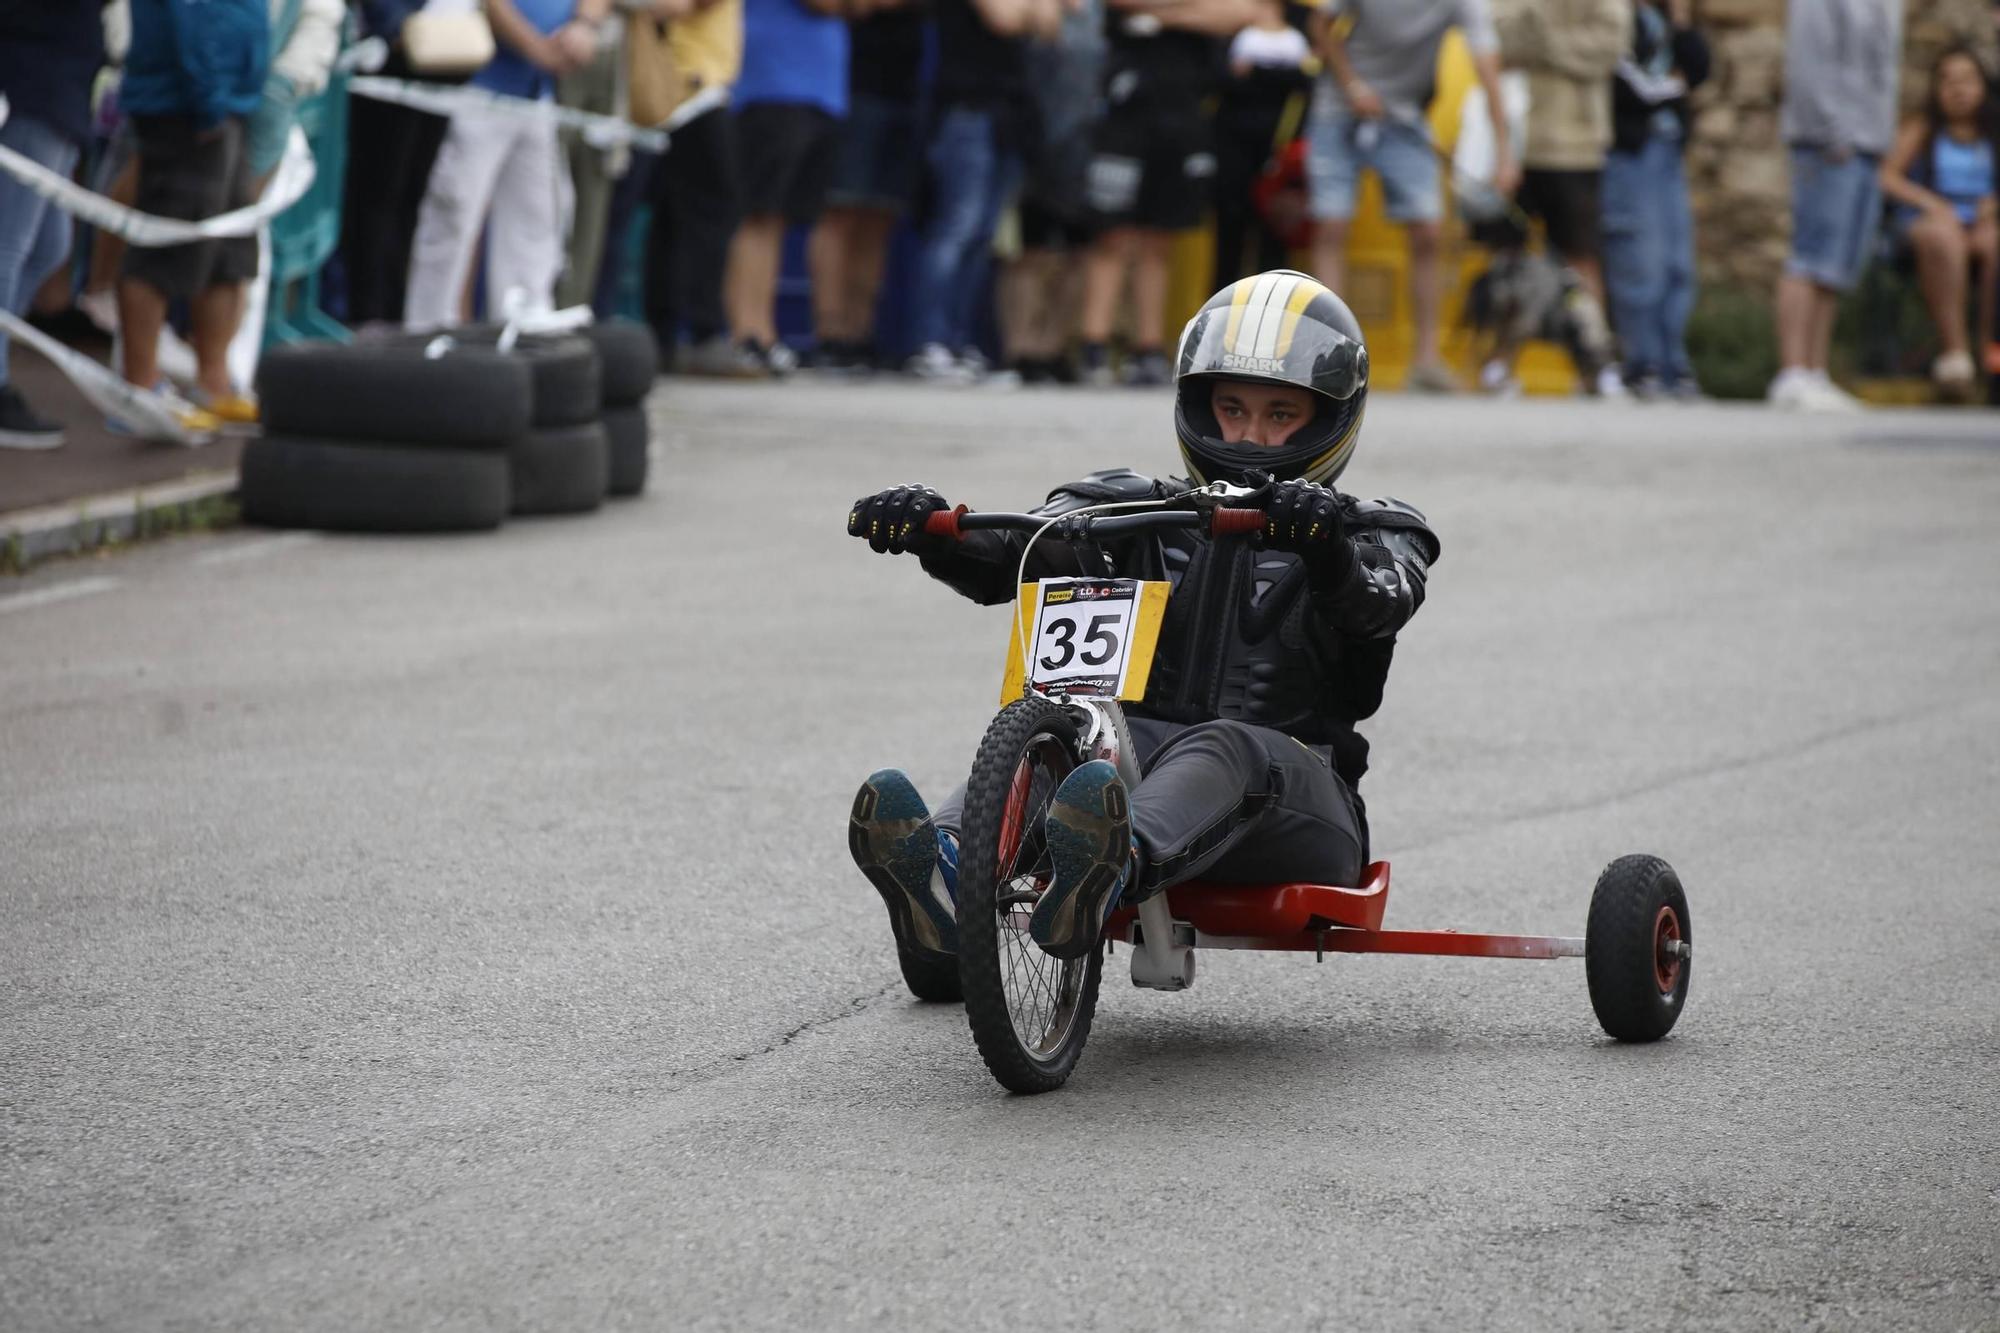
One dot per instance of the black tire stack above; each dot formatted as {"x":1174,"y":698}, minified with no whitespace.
{"x":441,"y":433}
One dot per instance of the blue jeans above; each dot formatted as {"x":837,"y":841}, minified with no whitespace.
{"x":34,"y":233}
{"x":1649,"y":258}
{"x":1836,"y":205}
{"x":971,"y":176}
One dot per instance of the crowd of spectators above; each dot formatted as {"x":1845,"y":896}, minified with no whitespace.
{"x":1043,"y":158}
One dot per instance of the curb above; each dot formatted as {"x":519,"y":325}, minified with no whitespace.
{"x":29,"y":536}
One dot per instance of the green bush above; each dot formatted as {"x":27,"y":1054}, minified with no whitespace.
{"x":1732,"y":338}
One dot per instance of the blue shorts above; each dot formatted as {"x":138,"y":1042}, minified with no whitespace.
{"x":1338,"y":146}
{"x":875,"y":165}
{"x":1836,"y":207}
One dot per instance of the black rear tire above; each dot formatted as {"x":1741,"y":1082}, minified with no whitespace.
{"x":1638,"y":921}
{"x":1027,"y":751}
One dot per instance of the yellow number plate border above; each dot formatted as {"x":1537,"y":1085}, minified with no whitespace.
{"x":1149,"y":610}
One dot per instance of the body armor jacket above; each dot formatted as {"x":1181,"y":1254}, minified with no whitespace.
{"x":1249,"y":634}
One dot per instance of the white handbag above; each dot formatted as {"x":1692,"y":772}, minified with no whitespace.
{"x":448,"y":39}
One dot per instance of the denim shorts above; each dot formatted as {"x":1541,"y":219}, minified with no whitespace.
{"x":1836,"y":207}
{"x":1338,"y":146}
{"x":875,"y":165}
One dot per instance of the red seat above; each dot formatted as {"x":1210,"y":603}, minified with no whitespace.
{"x":1271,"y":909}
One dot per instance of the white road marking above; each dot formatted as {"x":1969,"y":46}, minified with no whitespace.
{"x":60,"y":592}
{"x":251,"y":550}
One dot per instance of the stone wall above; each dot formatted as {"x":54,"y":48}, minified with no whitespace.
{"x":1736,"y":164}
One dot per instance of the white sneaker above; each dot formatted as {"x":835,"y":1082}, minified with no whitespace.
{"x":1790,"y":388}
{"x":1611,"y":383}
{"x":1830,"y":397}
{"x":934,"y":362}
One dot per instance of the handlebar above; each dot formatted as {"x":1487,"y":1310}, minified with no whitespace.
{"x":1221,"y":522}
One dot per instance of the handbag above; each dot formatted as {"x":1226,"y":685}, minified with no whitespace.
{"x":654,"y":84}
{"x":447,"y":40}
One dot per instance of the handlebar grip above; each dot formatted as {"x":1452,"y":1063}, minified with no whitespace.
{"x":1226,"y":522}
{"x":944,"y":523}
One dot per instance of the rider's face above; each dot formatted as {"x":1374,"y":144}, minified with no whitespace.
{"x":1261,"y":414}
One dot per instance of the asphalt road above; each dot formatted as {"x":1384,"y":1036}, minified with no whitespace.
{"x":459,"y":933}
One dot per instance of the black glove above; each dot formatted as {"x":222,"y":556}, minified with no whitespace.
{"x":893,"y":520}
{"x":1305,"y":518}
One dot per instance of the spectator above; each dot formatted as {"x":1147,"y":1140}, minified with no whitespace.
{"x":48,"y":56}
{"x":505,"y":174}
{"x":1842,"y":59}
{"x":789,"y":103}
{"x":195,"y":71}
{"x":874,"y":181}
{"x":1036,"y":297}
{"x":597,"y":87}
{"x":390,"y":150}
{"x":693,"y":192}
{"x":1261,"y":104}
{"x":1648,"y":227}
{"x":1369,"y":112}
{"x":1152,"y":167}
{"x":1569,"y":50}
{"x":980,"y":113}
{"x":1941,"y":174}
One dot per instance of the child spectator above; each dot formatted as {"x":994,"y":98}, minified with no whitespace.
{"x":390,"y":150}
{"x":48,"y":56}
{"x":195,"y":71}
{"x":1648,"y":227}
{"x":1842,"y":60}
{"x":1941,"y":174}
{"x":503,"y":173}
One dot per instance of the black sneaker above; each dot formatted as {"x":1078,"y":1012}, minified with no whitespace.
{"x":1147,"y":368}
{"x":21,"y":427}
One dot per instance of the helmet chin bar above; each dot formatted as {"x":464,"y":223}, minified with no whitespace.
{"x":1211,"y":458}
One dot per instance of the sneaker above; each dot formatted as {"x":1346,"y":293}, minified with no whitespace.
{"x":779,"y":360}
{"x":719,"y":358}
{"x":21,"y":427}
{"x":1610,"y":385}
{"x":231,"y":408}
{"x":1790,"y":388}
{"x":1826,"y":396}
{"x":911,"y":862}
{"x":1146,"y":369}
{"x":1647,"y":388}
{"x":1091,"y":851}
{"x":1094,"y":367}
{"x":934,"y":362}
{"x":1954,"y":375}
{"x":1430,"y":377}
{"x":101,"y":308}
{"x":1685,"y":389}
{"x":1497,"y":378}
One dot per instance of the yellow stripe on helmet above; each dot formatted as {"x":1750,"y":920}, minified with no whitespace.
{"x":1307,"y":292}
{"x":1239,"y":297}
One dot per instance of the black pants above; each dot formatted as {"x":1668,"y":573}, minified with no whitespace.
{"x":1243,"y":138}
{"x":389,"y":155}
{"x":1234,"y":804}
{"x":695,"y":205}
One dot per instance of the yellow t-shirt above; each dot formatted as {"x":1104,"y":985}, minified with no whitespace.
{"x":708,"y":46}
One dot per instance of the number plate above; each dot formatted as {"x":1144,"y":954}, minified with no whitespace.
{"x":1088,"y":636}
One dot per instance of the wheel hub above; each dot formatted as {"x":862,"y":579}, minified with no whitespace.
{"x":1669,"y":950}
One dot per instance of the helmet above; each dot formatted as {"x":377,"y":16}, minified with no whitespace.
{"x":1279,"y":327}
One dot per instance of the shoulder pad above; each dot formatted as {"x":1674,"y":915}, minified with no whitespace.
{"x":1118,"y":483}
{"x":1406,"y":520}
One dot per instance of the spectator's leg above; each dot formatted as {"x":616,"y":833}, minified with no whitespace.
{"x":213,"y":315}
{"x":1426,"y":289}
{"x":751,"y":287}
{"x":461,"y":184}
{"x":1104,"y":281}
{"x":1985,"y":252}
{"x":1635,"y":260}
{"x":630,"y":188}
{"x":1798,"y":300}
{"x":1826,"y":305}
{"x":1241,"y":146}
{"x":867,"y":262}
{"x":34,"y":234}
{"x":1333,"y":168}
{"x":998,"y":179}
{"x":1329,"y":252}
{"x":107,"y":250}
{"x":1677,"y":240}
{"x":215,"y":312}
{"x":1149,"y":289}
{"x":961,"y":159}
{"x":828,"y":257}
{"x":1942,"y":257}
{"x":532,"y":199}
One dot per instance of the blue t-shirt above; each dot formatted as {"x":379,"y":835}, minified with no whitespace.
{"x":509,"y":71}
{"x":792,"y":54}
{"x":1962,"y":173}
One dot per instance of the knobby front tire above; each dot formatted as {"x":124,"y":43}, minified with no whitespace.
{"x":1030,"y":1014}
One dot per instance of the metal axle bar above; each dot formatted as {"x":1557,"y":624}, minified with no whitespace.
{"x":1447,"y":943}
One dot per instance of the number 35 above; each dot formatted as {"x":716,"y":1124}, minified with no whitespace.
{"x":1064,"y":633}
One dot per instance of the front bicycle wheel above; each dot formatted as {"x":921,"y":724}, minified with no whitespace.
{"x":1030,"y":1013}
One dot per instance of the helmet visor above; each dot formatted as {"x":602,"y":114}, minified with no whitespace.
{"x":1275,"y":343}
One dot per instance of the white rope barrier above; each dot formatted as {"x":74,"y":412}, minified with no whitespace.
{"x":147,"y":413}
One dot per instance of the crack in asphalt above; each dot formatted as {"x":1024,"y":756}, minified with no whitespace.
{"x":1788,"y":750}
{"x":717,"y":1068}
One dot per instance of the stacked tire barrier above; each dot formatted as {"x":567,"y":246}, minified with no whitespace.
{"x":449,"y":432}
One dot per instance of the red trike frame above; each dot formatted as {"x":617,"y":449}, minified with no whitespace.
{"x":1322,"y":918}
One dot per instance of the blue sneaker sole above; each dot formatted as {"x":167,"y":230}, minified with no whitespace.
{"x":1089,"y":830}
{"x":894,"y":843}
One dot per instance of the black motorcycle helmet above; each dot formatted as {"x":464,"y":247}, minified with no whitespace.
{"x":1279,"y":327}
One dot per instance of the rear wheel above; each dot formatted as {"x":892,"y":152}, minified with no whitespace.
{"x":1030,"y":1013}
{"x":1638,"y":948}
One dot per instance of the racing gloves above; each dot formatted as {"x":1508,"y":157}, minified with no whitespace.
{"x":1305,"y":518}
{"x":892,"y":521}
